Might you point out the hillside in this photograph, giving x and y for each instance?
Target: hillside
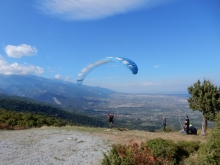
(71, 145)
(60, 93)
(19, 104)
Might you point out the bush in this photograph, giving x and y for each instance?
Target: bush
(19, 120)
(209, 153)
(185, 149)
(164, 150)
(168, 129)
(157, 151)
(132, 154)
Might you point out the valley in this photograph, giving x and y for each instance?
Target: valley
(132, 111)
(144, 111)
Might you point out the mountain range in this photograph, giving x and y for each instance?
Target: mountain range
(53, 91)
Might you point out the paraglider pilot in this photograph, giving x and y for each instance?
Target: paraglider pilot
(187, 124)
(110, 119)
(164, 124)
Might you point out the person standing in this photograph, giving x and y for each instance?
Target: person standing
(110, 118)
(164, 124)
(187, 124)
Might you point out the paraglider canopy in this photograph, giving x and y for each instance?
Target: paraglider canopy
(127, 62)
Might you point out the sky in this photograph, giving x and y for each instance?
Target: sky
(174, 43)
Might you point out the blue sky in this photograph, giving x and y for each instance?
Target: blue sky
(173, 42)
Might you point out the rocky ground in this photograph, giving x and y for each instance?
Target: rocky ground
(51, 146)
(72, 145)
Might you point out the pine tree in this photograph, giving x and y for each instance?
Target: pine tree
(205, 97)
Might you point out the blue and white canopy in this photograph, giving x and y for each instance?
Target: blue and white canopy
(128, 63)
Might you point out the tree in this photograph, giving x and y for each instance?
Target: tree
(205, 97)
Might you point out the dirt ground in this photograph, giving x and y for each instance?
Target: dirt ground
(71, 145)
(51, 146)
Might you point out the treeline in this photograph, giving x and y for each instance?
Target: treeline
(22, 120)
(21, 105)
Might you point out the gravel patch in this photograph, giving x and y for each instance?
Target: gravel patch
(51, 146)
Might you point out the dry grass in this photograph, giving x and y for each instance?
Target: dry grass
(124, 136)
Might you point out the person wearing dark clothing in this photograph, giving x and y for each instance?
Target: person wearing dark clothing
(110, 118)
(187, 124)
(164, 124)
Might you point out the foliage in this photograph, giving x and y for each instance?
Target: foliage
(205, 97)
(132, 154)
(21, 105)
(186, 148)
(209, 153)
(168, 129)
(21, 120)
(156, 151)
(163, 149)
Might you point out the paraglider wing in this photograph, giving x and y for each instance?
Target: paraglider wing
(128, 63)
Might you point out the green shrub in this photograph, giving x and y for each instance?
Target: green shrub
(21, 120)
(154, 152)
(168, 129)
(209, 153)
(132, 154)
(119, 155)
(185, 149)
(165, 150)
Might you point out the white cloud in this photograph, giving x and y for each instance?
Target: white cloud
(15, 68)
(20, 50)
(91, 9)
(57, 76)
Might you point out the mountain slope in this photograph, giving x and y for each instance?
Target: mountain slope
(18, 104)
(51, 90)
